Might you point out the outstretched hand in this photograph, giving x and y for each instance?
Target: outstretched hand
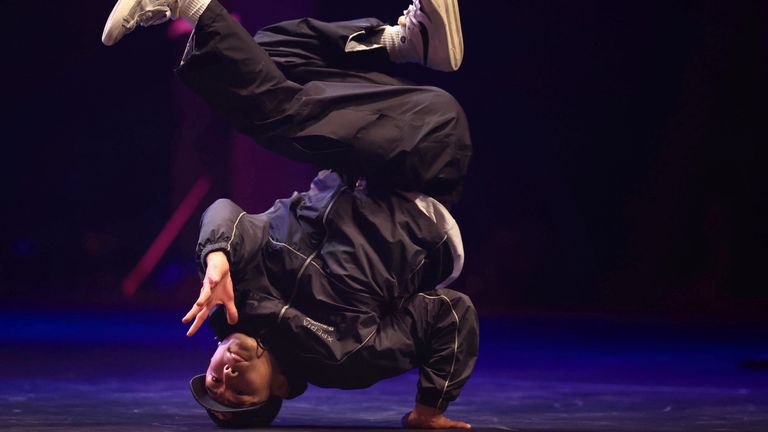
(424, 417)
(217, 289)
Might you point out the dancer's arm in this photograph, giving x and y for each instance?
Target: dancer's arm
(437, 332)
(230, 241)
(447, 335)
(227, 228)
(217, 289)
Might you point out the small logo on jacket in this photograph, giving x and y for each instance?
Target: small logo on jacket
(319, 329)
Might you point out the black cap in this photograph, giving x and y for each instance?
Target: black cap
(255, 415)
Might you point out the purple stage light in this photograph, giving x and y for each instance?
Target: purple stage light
(166, 236)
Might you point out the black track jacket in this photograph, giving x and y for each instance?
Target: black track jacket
(344, 289)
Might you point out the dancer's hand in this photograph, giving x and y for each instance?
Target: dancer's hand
(217, 289)
(424, 417)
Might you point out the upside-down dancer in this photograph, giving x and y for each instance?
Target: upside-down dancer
(346, 284)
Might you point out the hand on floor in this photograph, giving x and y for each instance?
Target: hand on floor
(424, 417)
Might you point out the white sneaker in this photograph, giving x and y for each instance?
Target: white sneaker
(128, 13)
(432, 32)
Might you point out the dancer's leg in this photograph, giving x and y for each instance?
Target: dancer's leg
(306, 50)
(224, 65)
(399, 137)
(310, 50)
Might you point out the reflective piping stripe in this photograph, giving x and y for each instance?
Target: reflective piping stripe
(330, 280)
(234, 230)
(328, 210)
(421, 263)
(442, 217)
(296, 252)
(314, 254)
(318, 267)
(425, 259)
(282, 312)
(308, 259)
(455, 344)
(298, 276)
(359, 346)
(288, 247)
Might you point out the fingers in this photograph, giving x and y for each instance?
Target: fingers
(446, 423)
(231, 312)
(202, 299)
(217, 289)
(412, 420)
(205, 294)
(192, 312)
(457, 425)
(199, 320)
(229, 302)
(404, 422)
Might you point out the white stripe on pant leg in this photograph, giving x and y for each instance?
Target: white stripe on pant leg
(455, 344)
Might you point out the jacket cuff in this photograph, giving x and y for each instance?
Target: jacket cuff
(222, 246)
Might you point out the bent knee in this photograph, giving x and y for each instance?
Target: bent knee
(443, 102)
(448, 121)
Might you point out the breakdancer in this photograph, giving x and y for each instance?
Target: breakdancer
(343, 285)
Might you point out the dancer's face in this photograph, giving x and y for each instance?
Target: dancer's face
(240, 372)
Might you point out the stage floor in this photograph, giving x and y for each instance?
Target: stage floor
(128, 372)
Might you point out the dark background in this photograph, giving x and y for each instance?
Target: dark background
(618, 169)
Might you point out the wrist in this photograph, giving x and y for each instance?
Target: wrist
(216, 256)
(425, 411)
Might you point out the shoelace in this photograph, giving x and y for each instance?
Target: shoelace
(150, 16)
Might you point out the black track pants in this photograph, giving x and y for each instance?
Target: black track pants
(297, 91)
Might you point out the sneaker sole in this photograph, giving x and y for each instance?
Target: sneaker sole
(450, 10)
(113, 29)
